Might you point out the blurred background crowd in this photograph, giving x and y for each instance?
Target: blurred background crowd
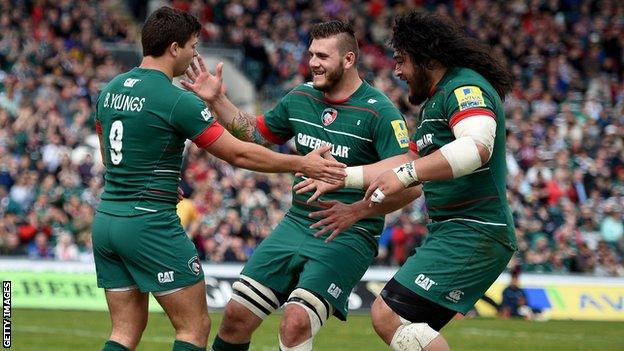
(565, 122)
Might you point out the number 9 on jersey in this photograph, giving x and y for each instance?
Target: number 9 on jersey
(115, 136)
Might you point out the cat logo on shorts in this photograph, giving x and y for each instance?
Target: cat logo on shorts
(329, 116)
(194, 265)
(334, 290)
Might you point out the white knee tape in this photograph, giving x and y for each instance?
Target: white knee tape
(413, 337)
(318, 310)
(256, 297)
(304, 346)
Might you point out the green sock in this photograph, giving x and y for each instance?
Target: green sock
(111, 345)
(180, 345)
(220, 345)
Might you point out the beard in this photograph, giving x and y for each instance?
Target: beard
(331, 79)
(419, 86)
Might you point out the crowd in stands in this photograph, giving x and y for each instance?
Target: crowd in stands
(565, 123)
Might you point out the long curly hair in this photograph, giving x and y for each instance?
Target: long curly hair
(428, 38)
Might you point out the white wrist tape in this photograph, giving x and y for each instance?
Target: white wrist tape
(406, 173)
(463, 156)
(355, 177)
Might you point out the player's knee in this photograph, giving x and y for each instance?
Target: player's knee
(295, 325)
(305, 313)
(380, 315)
(238, 322)
(412, 336)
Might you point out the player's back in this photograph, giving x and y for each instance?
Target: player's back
(142, 147)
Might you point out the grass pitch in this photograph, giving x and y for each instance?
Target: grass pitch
(54, 330)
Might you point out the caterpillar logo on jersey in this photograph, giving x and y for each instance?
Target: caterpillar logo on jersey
(400, 132)
(194, 265)
(329, 116)
(424, 282)
(130, 82)
(455, 295)
(315, 143)
(334, 290)
(468, 97)
(165, 277)
(424, 141)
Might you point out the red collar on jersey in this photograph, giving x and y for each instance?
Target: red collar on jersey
(339, 101)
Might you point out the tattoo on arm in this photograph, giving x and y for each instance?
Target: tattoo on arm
(244, 127)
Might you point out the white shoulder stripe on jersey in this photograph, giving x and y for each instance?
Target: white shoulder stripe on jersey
(330, 130)
(165, 171)
(475, 221)
(432, 120)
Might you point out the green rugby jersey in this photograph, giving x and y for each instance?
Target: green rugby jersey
(363, 129)
(478, 198)
(144, 121)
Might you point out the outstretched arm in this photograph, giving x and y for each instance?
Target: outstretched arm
(258, 158)
(209, 87)
(358, 177)
(472, 148)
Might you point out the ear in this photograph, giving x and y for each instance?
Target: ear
(174, 49)
(349, 59)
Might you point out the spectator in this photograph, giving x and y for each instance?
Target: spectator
(65, 249)
(611, 227)
(565, 120)
(515, 303)
(40, 248)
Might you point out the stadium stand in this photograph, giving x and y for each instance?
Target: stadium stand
(565, 121)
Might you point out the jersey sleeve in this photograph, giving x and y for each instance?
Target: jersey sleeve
(96, 119)
(274, 124)
(466, 101)
(193, 120)
(391, 137)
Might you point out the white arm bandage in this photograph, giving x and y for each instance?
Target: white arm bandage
(355, 177)
(462, 154)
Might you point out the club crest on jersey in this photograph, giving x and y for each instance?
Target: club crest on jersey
(194, 265)
(329, 116)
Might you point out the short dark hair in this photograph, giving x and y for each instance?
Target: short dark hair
(166, 26)
(427, 38)
(331, 28)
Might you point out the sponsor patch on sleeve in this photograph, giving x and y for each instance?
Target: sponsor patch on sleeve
(469, 96)
(400, 132)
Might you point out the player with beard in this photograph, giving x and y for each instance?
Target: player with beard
(293, 266)
(143, 121)
(458, 152)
